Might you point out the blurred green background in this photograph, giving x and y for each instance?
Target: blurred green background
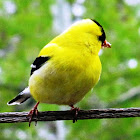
(28, 25)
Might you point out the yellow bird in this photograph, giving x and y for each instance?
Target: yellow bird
(67, 67)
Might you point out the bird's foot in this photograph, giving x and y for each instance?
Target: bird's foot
(32, 113)
(75, 110)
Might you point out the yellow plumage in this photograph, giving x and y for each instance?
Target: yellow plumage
(74, 66)
(67, 67)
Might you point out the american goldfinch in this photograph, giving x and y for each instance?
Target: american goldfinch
(67, 67)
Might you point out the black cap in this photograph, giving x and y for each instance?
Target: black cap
(103, 36)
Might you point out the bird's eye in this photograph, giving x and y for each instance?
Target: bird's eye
(102, 37)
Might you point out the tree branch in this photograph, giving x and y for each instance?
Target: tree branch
(12, 117)
(133, 93)
(130, 94)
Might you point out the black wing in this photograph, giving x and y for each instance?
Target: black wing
(39, 61)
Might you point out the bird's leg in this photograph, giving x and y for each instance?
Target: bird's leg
(76, 110)
(33, 112)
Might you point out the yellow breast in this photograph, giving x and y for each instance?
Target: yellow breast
(65, 82)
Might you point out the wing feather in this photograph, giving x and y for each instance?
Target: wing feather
(39, 61)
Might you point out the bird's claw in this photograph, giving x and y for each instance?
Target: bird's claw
(32, 113)
(75, 110)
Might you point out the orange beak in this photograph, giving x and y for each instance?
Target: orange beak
(106, 44)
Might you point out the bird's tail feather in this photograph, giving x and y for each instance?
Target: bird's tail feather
(21, 97)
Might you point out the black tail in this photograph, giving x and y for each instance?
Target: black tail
(21, 97)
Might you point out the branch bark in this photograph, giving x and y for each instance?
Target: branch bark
(14, 117)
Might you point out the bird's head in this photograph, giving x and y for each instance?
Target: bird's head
(94, 29)
(102, 36)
